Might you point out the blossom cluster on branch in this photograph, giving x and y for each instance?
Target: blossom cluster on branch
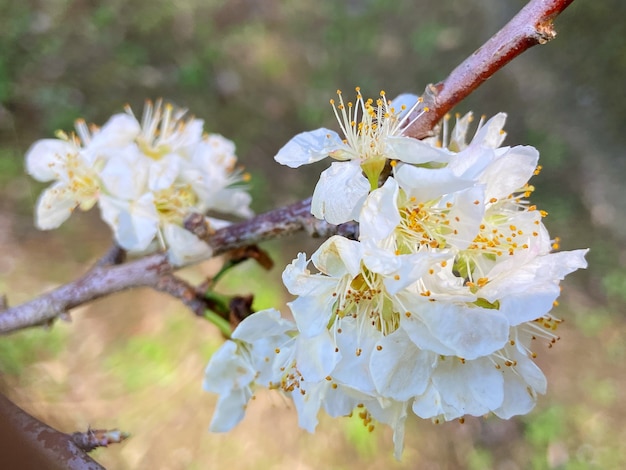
(146, 176)
(441, 304)
(439, 307)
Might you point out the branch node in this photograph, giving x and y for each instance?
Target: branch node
(199, 226)
(65, 316)
(94, 438)
(545, 31)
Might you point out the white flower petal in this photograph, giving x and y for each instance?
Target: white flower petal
(355, 349)
(230, 410)
(429, 404)
(393, 414)
(469, 332)
(163, 173)
(262, 324)
(312, 313)
(120, 130)
(340, 193)
(183, 246)
(308, 403)
(465, 216)
(522, 383)
(491, 133)
(510, 172)
(134, 224)
(299, 281)
(409, 150)
(309, 147)
(379, 216)
(316, 356)
(54, 207)
(419, 333)
(474, 387)
(425, 184)
(125, 174)
(45, 159)
(527, 291)
(227, 370)
(399, 369)
(338, 256)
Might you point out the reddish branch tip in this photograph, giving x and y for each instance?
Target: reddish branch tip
(531, 26)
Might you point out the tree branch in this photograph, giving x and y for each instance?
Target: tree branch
(531, 26)
(154, 271)
(29, 443)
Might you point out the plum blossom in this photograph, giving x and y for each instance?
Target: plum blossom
(146, 176)
(373, 135)
(250, 359)
(441, 304)
(73, 162)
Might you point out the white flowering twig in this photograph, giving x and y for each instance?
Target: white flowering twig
(108, 276)
(151, 209)
(532, 26)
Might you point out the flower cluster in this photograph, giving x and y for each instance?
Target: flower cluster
(146, 176)
(438, 308)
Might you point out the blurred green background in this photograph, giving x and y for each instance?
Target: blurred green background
(259, 71)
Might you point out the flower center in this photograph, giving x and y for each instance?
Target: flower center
(82, 181)
(174, 204)
(423, 224)
(162, 129)
(365, 299)
(366, 126)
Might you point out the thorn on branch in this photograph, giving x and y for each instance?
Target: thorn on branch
(94, 438)
(4, 303)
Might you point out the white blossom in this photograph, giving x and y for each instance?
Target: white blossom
(146, 176)
(250, 359)
(373, 136)
(438, 306)
(73, 163)
(441, 304)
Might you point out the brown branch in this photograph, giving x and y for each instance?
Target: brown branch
(182, 290)
(155, 271)
(96, 283)
(530, 27)
(29, 443)
(533, 25)
(273, 224)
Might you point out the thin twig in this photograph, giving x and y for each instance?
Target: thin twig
(154, 270)
(182, 290)
(530, 27)
(94, 438)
